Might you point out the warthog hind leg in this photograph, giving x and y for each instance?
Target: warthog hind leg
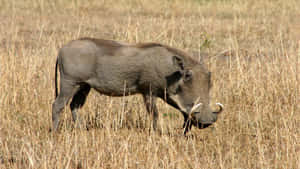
(67, 91)
(77, 102)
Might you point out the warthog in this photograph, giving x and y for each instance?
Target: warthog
(117, 69)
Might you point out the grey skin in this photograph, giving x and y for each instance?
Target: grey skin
(117, 69)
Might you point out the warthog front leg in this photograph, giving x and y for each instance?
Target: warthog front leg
(150, 102)
(77, 102)
(187, 124)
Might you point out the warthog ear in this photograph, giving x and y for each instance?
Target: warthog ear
(177, 60)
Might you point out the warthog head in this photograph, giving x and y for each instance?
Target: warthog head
(190, 94)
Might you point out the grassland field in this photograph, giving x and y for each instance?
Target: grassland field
(252, 48)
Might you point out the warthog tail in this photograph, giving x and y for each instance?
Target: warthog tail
(56, 90)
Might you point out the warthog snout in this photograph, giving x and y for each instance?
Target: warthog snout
(205, 119)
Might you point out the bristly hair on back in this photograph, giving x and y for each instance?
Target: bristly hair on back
(148, 45)
(101, 42)
(171, 49)
(115, 44)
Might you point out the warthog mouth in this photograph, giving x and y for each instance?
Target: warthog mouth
(192, 122)
(201, 125)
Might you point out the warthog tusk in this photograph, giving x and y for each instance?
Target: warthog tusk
(221, 107)
(195, 107)
(190, 116)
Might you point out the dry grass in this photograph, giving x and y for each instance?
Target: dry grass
(257, 80)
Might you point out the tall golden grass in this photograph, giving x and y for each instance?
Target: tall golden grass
(257, 79)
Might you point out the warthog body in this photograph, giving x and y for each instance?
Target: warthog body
(117, 69)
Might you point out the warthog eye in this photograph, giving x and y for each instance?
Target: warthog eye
(178, 90)
(188, 75)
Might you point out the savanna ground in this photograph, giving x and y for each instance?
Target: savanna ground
(256, 78)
